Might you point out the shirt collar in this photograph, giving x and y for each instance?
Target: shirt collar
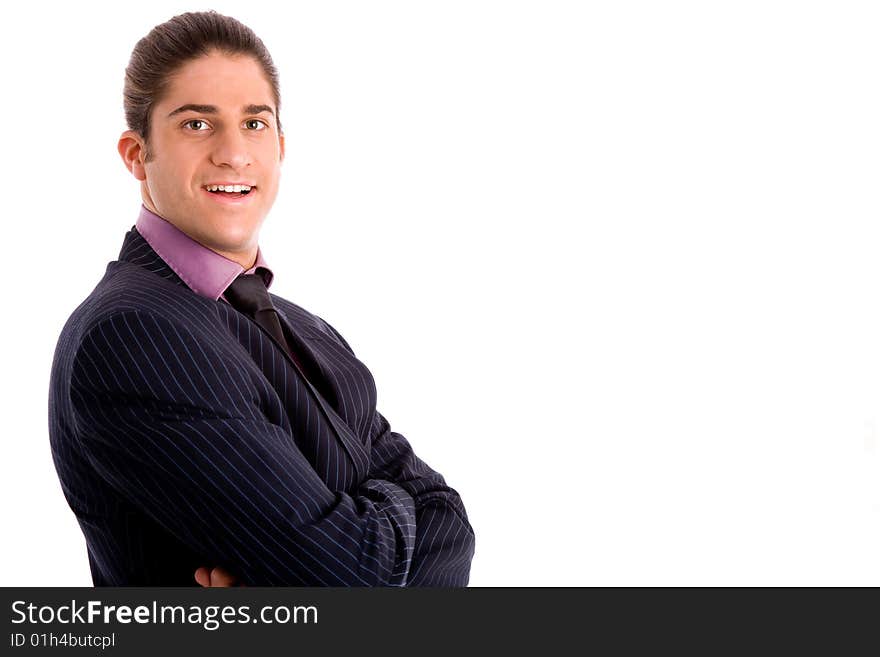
(206, 272)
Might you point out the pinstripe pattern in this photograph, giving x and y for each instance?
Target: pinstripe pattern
(184, 437)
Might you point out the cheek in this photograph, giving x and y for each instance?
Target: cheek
(273, 178)
(178, 167)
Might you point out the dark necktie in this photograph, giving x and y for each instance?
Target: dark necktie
(248, 294)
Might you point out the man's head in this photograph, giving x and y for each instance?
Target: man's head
(201, 103)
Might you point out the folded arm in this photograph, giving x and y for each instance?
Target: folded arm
(176, 429)
(445, 542)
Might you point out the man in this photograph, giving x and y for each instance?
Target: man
(203, 429)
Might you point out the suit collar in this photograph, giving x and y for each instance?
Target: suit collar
(137, 251)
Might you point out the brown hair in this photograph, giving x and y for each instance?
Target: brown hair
(174, 43)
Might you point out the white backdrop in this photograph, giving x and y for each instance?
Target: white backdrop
(613, 266)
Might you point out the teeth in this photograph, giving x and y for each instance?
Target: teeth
(227, 188)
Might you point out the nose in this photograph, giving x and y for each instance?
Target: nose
(231, 149)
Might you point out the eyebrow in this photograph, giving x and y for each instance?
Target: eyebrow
(212, 109)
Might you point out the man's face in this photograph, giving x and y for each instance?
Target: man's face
(236, 142)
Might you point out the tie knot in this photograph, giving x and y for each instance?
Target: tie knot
(248, 294)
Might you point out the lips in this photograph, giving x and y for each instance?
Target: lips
(233, 198)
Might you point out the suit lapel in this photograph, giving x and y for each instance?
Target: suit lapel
(305, 351)
(136, 250)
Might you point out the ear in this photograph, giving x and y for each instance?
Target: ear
(132, 150)
(281, 141)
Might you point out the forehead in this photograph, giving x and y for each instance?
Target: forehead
(229, 82)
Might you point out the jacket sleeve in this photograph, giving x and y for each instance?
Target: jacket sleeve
(445, 541)
(175, 427)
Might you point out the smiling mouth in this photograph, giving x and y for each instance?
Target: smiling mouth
(230, 196)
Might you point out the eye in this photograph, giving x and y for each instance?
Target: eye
(196, 121)
(258, 121)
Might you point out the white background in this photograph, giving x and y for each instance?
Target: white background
(614, 266)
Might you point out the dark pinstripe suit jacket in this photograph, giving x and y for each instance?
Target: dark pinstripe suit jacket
(184, 436)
